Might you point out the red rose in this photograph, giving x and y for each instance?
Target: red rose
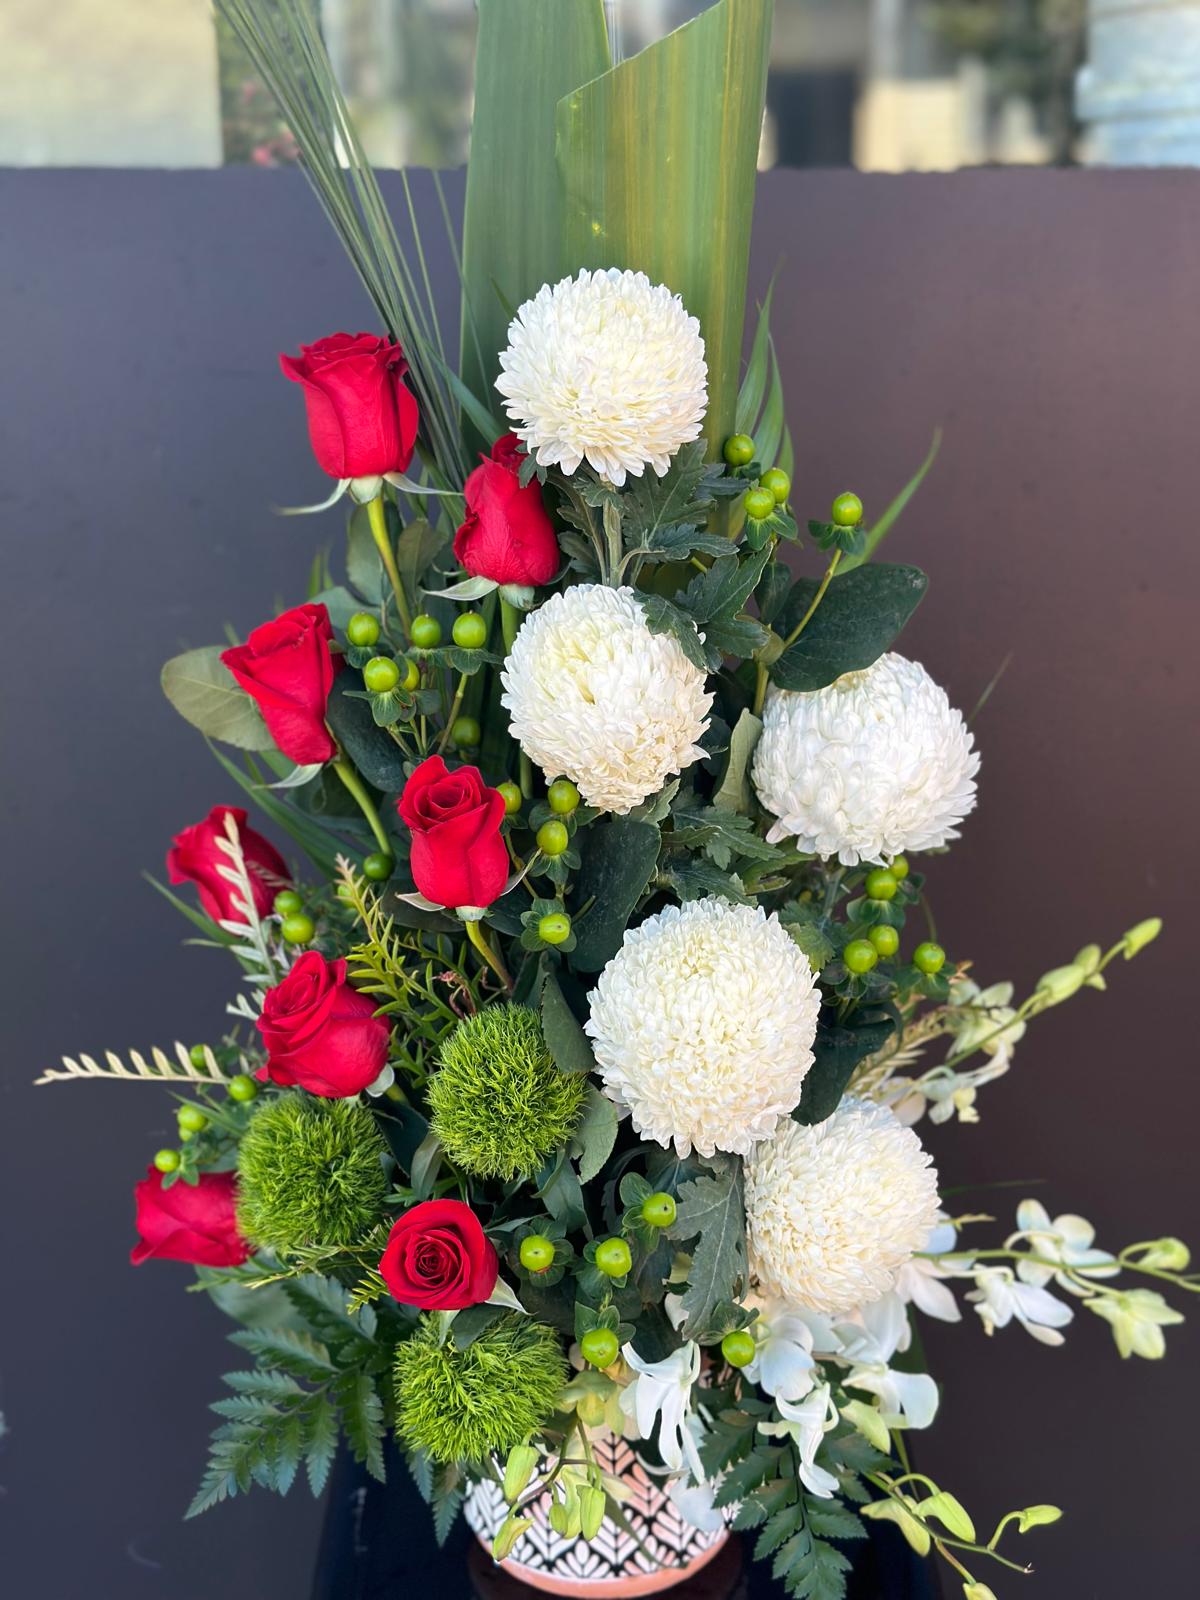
(507, 536)
(320, 1033)
(286, 667)
(458, 856)
(439, 1258)
(196, 1223)
(195, 858)
(362, 418)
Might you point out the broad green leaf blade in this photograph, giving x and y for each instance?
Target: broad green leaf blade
(658, 160)
(877, 533)
(619, 858)
(202, 689)
(855, 623)
(530, 53)
(754, 384)
(836, 1053)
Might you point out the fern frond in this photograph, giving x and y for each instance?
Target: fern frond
(160, 1068)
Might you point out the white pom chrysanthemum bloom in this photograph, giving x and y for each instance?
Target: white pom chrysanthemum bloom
(594, 696)
(703, 1025)
(876, 764)
(606, 367)
(835, 1210)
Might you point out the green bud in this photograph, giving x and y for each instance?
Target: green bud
(778, 482)
(167, 1160)
(885, 939)
(287, 901)
(951, 1513)
(198, 1056)
(562, 796)
(899, 868)
(426, 632)
(298, 928)
(554, 927)
(381, 674)
(469, 631)
(1037, 1517)
(242, 1088)
(860, 955)
(553, 838)
(511, 794)
(978, 1591)
(536, 1253)
(758, 503)
(846, 511)
(1166, 1255)
(1060, 984)
(518, 1469)
(377, 867)
(465, 732)
(881, 884)
(362, 629)
(592, 1502)
(191, 1119)
(659, 1209)
(739, 450)
(929, 958)
(738, 1347)
(613, 1258)
(510, 1531)
(1140, 936)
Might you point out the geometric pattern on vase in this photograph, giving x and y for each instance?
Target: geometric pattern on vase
(612, 1557)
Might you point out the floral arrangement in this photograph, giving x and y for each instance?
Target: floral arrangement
(590, 1024)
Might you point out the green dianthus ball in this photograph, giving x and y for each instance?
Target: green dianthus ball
(465, 1405)
(309, 1172)
(500, 1105)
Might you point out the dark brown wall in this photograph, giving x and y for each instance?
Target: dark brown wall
(1049, 322)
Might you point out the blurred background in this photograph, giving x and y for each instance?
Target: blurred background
(880, 85)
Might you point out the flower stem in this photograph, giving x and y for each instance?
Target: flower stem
(363, 800)
(760, 688)
(481, 942)
(452, 714)
(377, 516)
(817, 598)
(510, 623)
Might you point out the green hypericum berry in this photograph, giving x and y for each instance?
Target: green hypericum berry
(929, 958)
(899, 868)
(599, 1347)
(554, 928)
(759, 504)
(885, 939)
(378, 867)
(310, 1172)
(659, 1209)
(471, 1404)
(469, 631)
(412, 675)
(287, 901)
(426, 632)
(500, 1106)
(465, 732)
(381, 674)
(191, 1119)
(552, 838)
(613, 1258)
(167, 1160)
(298, 928)
(881, 884)
(562, 796)
(739, 450)
(738, 1348)
(198, 1056)
(860, 955)
(536, 1253)
(242, 1088)
(846, 511)
(362, 629)
(778, 482)
(512, 797)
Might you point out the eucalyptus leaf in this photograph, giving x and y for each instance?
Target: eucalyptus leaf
(619, 858)
(857, 620)
(203, 690)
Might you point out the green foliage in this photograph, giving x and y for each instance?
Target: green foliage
(713, 604)
(857, 620)
(500, 1105)
(569, 1046)
(372, 750)
(882, 526)
(463, 1405)
(837, 1050)
(619, 858)
(202, 689)
(310, 1171)
(712, 1207)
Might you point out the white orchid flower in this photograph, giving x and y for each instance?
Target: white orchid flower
(694, 1503)
(906, 1399)
(806, 1423)
(919, 1281)
(1138, 1317)
(783, 1364)
(1067, 1241)
(984, 1019)
(662, 1391)
(999, 1297)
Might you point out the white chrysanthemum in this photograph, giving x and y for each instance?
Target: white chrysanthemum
(876, 764)
(606, 366)
(835, 1210)
(594, 696)
(703, 1024)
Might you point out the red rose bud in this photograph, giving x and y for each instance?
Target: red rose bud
(458, 855)
(286, 667)
(194, 1223)
(508, 536)
(362, 417)
(194, 857)
(321, 1033)
(439, 1258)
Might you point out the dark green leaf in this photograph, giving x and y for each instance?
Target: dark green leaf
(695, 879)
(364, 567)
(619, 857)
(664, 616)
(858, 618)
(836, 1053)
(733, 794)
(469, 1324)
(565, 1039)
(711, 1210)
(596, 1134)
(375, 753)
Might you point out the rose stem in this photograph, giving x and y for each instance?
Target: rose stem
(355, 785)
(453, 713)
(377, 517)
(479, 939)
